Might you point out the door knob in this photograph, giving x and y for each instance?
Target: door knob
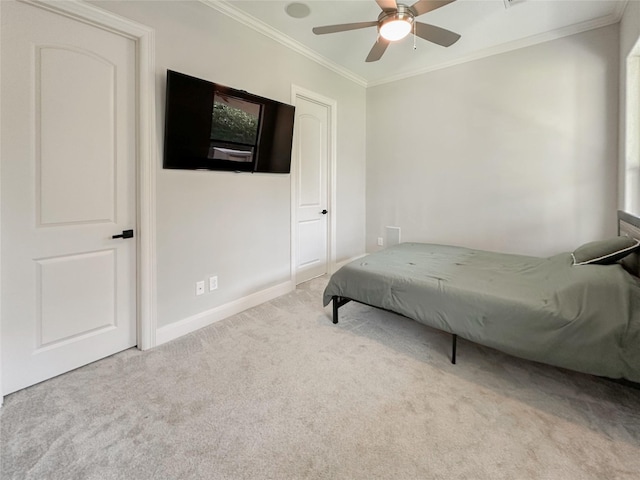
(124, 234)
(324, 212)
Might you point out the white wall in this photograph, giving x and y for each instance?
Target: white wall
(515, 152)
(237, 226)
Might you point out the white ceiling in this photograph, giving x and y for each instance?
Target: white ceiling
(487, 27)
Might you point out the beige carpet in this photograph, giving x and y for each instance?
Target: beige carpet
(279, 392)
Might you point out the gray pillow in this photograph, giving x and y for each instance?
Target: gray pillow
(604, 252)
(631, 263)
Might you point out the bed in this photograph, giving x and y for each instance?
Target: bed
(580, 317)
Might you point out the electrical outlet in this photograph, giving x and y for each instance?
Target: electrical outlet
(380, 241)
(213, 283)
(200, 287)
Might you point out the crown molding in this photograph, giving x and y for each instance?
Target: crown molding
(620, 9)
(225, 7)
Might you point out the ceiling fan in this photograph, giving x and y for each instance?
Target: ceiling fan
(395, 22)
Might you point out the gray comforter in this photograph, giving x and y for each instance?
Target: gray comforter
(584, 318)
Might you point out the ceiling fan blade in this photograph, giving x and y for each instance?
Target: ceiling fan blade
(424, 6)
(378, 50)
(387, 5)
(342, 28)
(434, 34)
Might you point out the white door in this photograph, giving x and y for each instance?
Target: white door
(68, 185)
(312, 160)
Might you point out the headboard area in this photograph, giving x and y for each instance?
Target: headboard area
(629, 225)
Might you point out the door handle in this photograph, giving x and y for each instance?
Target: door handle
(324, 212)
(124, 234)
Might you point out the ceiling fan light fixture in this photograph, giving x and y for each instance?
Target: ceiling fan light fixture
(395, 28)
(395, 25)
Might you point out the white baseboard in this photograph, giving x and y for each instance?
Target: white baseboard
(195, 322)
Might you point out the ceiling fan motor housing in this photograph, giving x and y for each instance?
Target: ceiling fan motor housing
(404, 13)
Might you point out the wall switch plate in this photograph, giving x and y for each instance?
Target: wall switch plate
(213, 283)
(380, 241)
(200, 287)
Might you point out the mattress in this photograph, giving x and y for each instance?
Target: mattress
(585, 318)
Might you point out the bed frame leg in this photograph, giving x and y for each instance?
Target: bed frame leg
(338, 301)
(453, 348)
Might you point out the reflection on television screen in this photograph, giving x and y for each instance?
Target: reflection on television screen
(230, 154)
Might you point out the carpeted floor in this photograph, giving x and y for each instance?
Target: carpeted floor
(279, 392)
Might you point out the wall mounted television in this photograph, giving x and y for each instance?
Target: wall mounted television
(213, 127)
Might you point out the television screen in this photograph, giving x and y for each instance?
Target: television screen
(213, 127)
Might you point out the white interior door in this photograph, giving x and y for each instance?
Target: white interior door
(312, 215)
(68, 184)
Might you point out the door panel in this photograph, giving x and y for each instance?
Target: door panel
(75, 171)
(308, 234)
(312, 147)
(312, 136)
(93, 305)
(68, 184)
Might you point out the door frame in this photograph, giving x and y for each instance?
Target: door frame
(332, 135)
(144, 39)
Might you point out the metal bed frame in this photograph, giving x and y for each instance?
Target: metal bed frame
(338, 302)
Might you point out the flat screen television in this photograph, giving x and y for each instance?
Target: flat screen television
(213, 127)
